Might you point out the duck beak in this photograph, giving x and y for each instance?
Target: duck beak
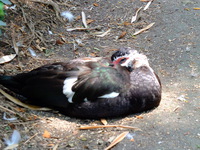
(130, 66)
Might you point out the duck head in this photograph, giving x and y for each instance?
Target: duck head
(129, 58)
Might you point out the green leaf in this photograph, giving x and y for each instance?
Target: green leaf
(7, 2)
(2, 23)
(1, 10)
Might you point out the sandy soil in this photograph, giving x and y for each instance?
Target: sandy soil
(172, 46)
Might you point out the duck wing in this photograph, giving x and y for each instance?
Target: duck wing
(98, 81)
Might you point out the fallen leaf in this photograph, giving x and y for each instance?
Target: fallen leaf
(95, 4)
(105, 33)
(89, 21)
(148, 4)
(78, 17)
(144, 29)
(127, 23)
(134, 18)
(7, 58)
(46, 134)
(59, 42)
(118, 139)
(122, 34)
(12, 126)
(104, 121)
(84, 19)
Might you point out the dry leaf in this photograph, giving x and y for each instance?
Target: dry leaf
(46, 134)
(148, 4)
(78, 17)
(104, 121)
(84, 19)
(105, 33)
(144, 29)
(7, 58)
(122, 34)
(134, 18)
(118, 139)
(89, 21)
(59, 42)
(127, 23)
(95, 4)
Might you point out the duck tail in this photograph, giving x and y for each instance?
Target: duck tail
(9, 82)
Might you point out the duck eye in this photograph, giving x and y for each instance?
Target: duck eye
(122, 60)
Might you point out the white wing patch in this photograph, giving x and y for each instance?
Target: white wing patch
(67, 88)
(110, 95)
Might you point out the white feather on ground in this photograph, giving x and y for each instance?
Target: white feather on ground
(67, 15)
(14, 140)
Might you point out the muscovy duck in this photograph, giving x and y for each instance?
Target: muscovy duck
(91, 87)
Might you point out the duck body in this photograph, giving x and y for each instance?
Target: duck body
(90, 87)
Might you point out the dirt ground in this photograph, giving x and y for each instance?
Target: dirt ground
(171, 44)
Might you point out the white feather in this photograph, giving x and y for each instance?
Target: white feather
(67, 88)
(67, 15)
(15, 138)
(110, 95)
(8, 119)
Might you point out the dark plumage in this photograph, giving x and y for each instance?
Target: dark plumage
(91, 87)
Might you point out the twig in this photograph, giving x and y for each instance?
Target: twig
(108, 126)
(13, 40)
(83, 29)
(30, 138)
(31, 28)
(39, 35)
(118, 139)
(8, 110)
